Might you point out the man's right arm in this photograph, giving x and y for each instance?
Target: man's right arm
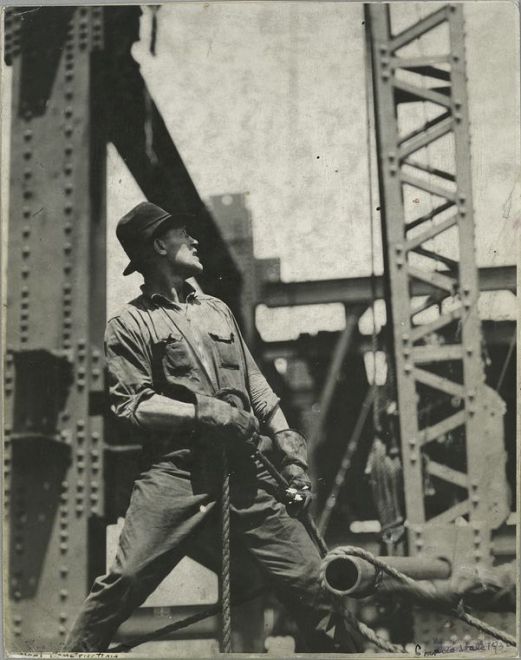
(134, 399)
(159, 413)
(132, 394)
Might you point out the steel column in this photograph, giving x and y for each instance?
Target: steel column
(56, 308)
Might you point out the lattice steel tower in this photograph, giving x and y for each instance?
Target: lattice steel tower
(450, 422)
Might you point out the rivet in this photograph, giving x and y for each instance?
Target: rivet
(67, 168)
(64, 571)
(27, 174)
(28, 134)
(27, 154)
(68, 188)
(63, 594)
(26, 212)
(63, 616)
(63, 547)
(67, 267)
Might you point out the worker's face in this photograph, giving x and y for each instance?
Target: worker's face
(180, 250)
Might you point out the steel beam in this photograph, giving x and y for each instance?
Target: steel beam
(55, 320)
(495, 333)
(359, 291)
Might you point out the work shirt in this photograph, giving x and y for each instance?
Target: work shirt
(157, 346)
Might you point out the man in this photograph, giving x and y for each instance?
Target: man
(171, 353)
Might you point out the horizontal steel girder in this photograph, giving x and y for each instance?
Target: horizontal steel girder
(358, 290)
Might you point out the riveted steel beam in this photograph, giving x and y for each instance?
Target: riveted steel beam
(55, 322)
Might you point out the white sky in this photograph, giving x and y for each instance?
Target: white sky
(268, 98)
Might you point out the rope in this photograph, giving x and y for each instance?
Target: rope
(425, 596)
(226, 615)
(370, 635)
(369, 112)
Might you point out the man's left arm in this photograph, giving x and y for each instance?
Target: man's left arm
(289, 445)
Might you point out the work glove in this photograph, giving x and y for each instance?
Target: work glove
(224, 421)
(292, 453)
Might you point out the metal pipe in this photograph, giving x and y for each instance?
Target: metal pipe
(345, 575)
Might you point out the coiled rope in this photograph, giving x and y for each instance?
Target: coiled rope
(421, 595)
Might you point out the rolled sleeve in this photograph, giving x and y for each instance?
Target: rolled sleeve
(129, 369)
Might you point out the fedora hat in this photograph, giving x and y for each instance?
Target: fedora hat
(140, 225)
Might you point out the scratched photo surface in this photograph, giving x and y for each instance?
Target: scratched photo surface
(300, 436)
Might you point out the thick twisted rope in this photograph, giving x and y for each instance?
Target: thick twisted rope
(226, 615)
(423, 595)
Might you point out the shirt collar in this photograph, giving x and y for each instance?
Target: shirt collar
(159, 298)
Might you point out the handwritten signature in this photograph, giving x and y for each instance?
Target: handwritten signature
(440, 648)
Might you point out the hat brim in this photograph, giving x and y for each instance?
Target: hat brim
(167, 222)
(129, 269)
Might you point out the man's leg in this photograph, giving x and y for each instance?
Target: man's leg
(162, 516)
(283, 547)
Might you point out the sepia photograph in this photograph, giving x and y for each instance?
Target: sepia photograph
(259, 321)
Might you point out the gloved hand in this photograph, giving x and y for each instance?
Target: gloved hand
(223, 420)
(292, 453)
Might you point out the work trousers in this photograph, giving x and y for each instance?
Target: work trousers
(170, 507)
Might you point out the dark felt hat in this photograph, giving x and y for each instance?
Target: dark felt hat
(139, 226)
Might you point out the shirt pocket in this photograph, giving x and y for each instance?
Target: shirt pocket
(226, 349)
(171, 361)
